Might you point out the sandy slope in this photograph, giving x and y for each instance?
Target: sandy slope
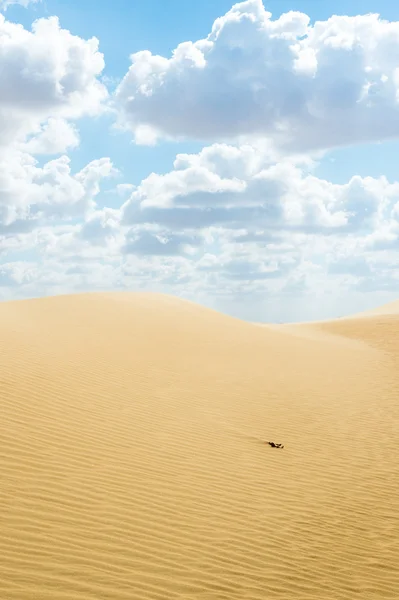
(133, 465)
(392, 308)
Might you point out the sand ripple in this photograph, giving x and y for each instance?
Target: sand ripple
(133, 462)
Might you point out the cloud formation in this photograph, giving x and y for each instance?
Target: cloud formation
(48, 76)
(247, 218)
(225, 185)
(30, 194)
(302, 86)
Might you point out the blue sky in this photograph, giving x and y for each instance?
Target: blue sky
(317, 238)
(127, 27)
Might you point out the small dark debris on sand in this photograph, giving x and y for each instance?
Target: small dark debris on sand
(273, 445)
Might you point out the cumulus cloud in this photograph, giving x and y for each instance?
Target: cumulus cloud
(143, 241)
(207, 229)
(100, 228)
(30, 194)
(50, 79)
(55, 136)
(48, 76)
(246, 224)
(246, 219)
(302, 86)
(265, 197)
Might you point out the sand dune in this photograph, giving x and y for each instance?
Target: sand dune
(392, 308)
(133, 462)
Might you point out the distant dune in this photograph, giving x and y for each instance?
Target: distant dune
(133, 459)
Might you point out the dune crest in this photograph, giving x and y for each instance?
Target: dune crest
(134, 462)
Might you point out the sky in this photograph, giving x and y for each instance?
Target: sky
(242, 156)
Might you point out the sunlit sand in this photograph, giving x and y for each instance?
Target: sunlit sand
(134, 465)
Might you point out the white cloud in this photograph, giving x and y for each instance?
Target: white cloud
(123, 189)
(301, 86)
(230, 222)
(237, 225)
(276, 231)
(151, 241)
(257, 195)
(54, 137)
(48, 76)
(101, 228)
(30, 195)
(4, 4)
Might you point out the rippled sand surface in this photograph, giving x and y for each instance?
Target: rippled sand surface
(133, 459)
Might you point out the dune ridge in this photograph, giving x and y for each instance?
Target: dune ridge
(134, 464)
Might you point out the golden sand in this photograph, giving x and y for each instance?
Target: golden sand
(133, 459)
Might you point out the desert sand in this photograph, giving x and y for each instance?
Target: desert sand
(133, 459)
